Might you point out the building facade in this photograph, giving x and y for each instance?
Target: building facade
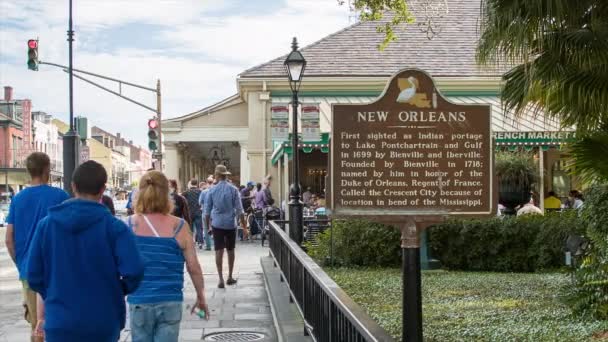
(128, 162)
(348, 67)
(15, 141)
(46, 138)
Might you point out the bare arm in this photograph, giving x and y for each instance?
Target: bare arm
(193, 266)
(10, 241)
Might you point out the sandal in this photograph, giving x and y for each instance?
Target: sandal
(231, 281)
(220, 286)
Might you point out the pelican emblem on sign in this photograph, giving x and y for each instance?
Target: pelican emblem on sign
(408, 88)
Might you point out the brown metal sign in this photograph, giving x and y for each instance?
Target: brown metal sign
(411, 153)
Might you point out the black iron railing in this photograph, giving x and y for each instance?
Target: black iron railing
(329, 314)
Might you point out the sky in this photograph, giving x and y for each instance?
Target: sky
(195, 47)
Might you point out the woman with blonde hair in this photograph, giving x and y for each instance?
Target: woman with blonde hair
(165, 244)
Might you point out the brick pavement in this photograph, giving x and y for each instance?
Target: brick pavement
(244, 307)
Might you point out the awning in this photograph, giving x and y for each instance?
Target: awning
(284, 147)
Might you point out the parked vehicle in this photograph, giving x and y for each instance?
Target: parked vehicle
(3, 213)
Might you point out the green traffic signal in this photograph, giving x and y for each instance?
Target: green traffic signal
(32, 65)
(152, 146)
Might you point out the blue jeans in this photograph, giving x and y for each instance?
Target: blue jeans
(157, 322)
(206, 235)
(197, 227)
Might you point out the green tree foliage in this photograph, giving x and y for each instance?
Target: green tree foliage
(589, 156)
(590, 295)
(558, 50)
(373, 10)
(556, 53)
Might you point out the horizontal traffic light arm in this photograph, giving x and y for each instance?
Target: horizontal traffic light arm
(100, 76)
(120, 83)
(115, 93)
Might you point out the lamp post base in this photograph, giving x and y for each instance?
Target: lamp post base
(71, 146)
(296, 220)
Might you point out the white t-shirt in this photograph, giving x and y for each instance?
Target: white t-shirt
(528, 209)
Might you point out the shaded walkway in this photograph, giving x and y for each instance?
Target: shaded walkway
(244, 307)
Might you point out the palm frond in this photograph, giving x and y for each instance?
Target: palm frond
(589, 157)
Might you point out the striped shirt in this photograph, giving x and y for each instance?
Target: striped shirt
(163, 269)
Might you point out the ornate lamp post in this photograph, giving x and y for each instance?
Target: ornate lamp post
(295, 65)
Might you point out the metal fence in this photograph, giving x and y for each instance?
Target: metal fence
(329, 314)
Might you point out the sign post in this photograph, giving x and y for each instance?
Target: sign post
(410, 159)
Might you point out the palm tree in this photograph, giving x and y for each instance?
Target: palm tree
(558, 54)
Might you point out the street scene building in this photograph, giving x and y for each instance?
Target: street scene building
(347, 67)
(124, 161)
(417, 170)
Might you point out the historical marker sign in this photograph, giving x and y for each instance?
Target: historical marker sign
(411, 153)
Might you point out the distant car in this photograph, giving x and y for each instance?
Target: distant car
(121, 208)
(3, 213)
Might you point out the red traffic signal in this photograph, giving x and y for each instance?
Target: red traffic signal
(153, 124)
(153, 134)
(32, 54)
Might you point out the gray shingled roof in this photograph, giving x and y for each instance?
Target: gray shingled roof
(354, 50)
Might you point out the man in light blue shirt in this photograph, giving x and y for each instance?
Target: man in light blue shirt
(222, 207)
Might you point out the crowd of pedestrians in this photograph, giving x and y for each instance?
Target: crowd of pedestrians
(79, 263)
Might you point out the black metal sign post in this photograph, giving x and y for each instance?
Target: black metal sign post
(411, 283)
(410, 159)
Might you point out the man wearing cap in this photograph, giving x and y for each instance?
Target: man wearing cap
(222, 207)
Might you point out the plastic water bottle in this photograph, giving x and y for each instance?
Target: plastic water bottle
(200, 313)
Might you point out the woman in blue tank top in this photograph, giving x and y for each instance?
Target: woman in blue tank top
(165, 244)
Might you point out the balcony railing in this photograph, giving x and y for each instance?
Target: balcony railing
(329, 314)
(15, 159)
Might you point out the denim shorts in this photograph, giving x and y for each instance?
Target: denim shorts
(158, 322)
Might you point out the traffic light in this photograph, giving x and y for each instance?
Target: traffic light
(32, 54)
(153, 134)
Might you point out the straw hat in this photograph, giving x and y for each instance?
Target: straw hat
(221, 170)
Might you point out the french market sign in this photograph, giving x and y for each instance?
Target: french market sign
(503, 138)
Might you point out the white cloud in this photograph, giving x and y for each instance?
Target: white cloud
(198, 65)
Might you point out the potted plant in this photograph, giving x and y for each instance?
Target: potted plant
(516, 172)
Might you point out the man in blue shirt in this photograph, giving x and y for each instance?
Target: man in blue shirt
(83, 261)
(206, 233)
(26, 210)
(222, 207)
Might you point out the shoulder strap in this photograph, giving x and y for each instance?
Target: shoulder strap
(179, 227)
(150, 225)
(129, 223)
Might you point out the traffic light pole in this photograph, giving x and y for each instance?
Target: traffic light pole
(156, 110)
(159, 155)
(70, 139)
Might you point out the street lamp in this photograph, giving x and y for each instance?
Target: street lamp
(70, 138)
(295, 65)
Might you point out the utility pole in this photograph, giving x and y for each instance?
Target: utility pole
(70, 139)
(159, 153)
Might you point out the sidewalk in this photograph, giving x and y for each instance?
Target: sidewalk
(241, 308)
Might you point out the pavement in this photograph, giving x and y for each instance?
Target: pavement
(241, 308)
